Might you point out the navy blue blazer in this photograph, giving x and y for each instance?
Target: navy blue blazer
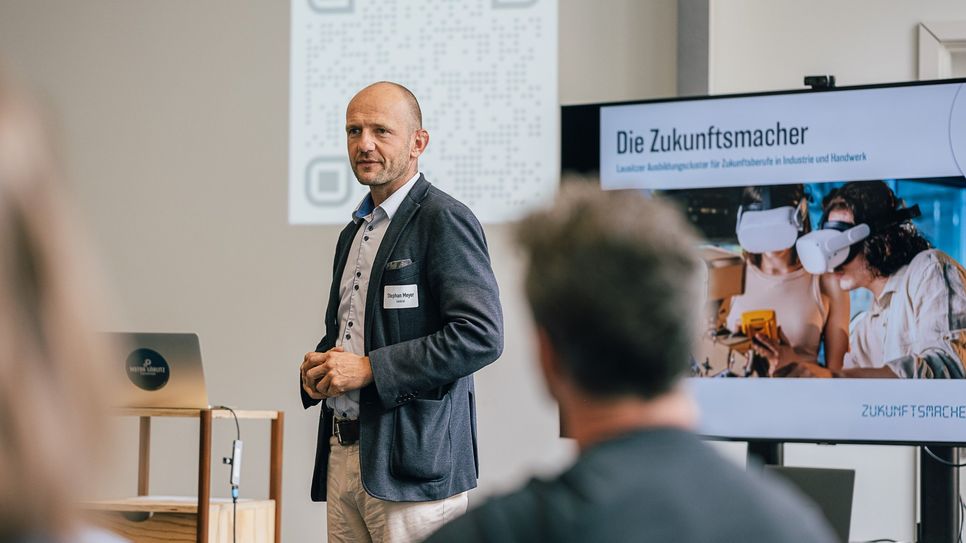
(418, 417)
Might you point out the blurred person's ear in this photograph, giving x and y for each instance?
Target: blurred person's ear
(554, 375)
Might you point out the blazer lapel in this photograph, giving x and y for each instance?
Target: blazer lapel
(407, 210)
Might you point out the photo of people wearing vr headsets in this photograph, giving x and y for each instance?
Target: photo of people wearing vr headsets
(797, 283)
(803, 312)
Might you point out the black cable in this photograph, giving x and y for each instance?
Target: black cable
(940, 460)
(234, 489)
(232, 411)
(961, 508)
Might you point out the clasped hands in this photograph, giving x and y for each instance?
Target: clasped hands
(333, 373)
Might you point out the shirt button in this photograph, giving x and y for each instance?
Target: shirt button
(356, 287)
(366, 238)
(358, 274)
(350, 324)
(347, 336)
(370, 228)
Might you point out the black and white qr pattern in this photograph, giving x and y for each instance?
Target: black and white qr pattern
(484, 71)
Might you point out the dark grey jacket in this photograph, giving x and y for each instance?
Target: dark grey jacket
(658, 485)
(418, 417)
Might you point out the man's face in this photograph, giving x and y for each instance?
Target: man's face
(856, 273)
(381, 136)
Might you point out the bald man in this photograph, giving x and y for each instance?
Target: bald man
(413, 312)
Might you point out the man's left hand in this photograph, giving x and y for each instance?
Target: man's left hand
(341, 372)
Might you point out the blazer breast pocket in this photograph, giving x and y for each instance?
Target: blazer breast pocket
(404, 274)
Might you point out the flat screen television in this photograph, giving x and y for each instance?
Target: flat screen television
(712, 155)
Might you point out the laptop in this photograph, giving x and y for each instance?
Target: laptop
(159, 370)
(830, 489)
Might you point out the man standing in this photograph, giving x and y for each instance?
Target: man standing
(413, 311)
(614, 285)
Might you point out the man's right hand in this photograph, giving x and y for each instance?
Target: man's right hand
(311, 360)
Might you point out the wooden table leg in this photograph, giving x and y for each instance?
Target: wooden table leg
(204, 475)
(275, 472)
(144, 455)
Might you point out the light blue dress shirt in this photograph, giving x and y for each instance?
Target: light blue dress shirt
(354, 287)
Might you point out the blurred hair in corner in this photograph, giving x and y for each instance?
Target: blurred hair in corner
(52, 435)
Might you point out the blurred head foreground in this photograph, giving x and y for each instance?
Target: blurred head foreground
(614, 283)
(48, 393)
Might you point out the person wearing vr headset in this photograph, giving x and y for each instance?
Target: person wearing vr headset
(916, 327)
(810, 309)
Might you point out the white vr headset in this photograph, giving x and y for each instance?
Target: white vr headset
(762, 231)
(824, 250)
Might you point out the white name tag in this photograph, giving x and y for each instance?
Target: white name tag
(400, 297)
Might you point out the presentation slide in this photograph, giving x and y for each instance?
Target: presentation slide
(484, 71)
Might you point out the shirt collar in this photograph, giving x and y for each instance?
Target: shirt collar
(892, 285)
(389, 206)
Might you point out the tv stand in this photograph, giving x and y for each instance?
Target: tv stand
(939, 509)
(762, 452)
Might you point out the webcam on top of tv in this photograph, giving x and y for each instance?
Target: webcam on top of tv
(820, 82)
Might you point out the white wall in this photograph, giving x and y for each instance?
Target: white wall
(958, 65)
(759, 45)
(173, 123)
(612, 50)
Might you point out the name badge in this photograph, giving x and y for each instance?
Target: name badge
(400, 297)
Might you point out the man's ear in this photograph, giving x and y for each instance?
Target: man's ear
(549, 361)
(420, 141)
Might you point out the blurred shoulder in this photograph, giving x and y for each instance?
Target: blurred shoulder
(509, 518)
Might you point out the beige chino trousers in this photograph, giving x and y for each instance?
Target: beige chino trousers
(353, 516)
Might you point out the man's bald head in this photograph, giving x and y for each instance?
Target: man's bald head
(386, 89)
(384, 137)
